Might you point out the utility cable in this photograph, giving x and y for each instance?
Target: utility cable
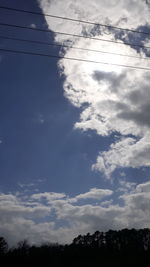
(70, 34)
(70, 58)
(70, 46)
(75, 20)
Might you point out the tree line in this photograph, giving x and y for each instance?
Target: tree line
(121, 248)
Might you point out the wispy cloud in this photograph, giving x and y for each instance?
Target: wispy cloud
(24, 185)
(33, 25)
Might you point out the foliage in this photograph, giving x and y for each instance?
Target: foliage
(120, 248)
(3, 246)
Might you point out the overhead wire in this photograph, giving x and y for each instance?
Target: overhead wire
(70, 46)
(71, 34)
(75, 20)
(70, 58)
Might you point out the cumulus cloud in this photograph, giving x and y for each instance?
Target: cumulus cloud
(137, 206)
(49, 196)
(11, 204)
(113, 99)
(94, 193)
(61, 219)
(129, 13)
(125, 153)
(20, 216)
(143, 187)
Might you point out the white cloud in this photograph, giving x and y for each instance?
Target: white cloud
(20, 216)
(137, 204)
(49, 196)
(126, 187)
(60, 220)
(24, 185)
(106, 203)
(113, 99)
(12, 205)
(122, 13)
(145, 187)
(94, 193)
(125, 153)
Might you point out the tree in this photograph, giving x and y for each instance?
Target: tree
(3, 245)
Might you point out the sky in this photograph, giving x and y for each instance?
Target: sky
(74, 135)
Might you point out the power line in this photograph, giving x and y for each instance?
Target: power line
(75, 20)
(70, 46)
(73, 35)
(70, 58)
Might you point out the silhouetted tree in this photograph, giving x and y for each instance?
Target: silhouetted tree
(119, 248)
(3, 245)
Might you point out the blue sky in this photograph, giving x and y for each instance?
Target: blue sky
(74, 149)
(38, 140)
